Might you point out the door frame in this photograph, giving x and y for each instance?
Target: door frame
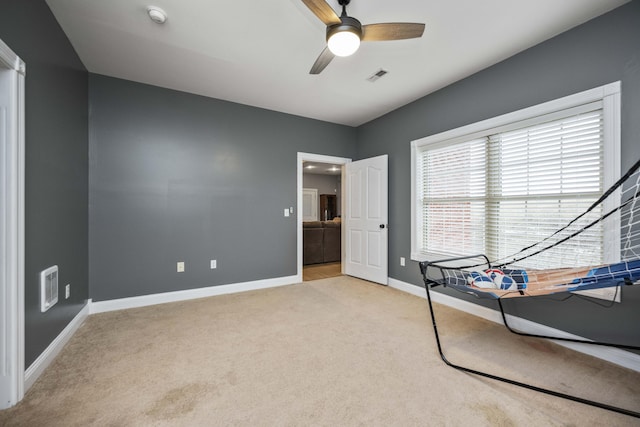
(309, 157)
(12, 218)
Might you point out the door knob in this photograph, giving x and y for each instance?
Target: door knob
(381, 225)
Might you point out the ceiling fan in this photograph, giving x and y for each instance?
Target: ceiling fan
(345, 33)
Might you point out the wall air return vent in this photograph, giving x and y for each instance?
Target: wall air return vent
(48, 288)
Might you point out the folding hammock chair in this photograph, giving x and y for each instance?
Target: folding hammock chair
(506, 278)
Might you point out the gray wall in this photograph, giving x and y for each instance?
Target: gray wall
(325, 184)
(601, 51)
(178, 177)
(56, 166)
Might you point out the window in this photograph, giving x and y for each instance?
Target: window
(497, 186)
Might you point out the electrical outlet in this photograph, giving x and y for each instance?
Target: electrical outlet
(402, 262)
(67, 291)
(180, 266)
(214, 264)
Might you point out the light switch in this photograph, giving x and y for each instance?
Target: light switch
(181, 267)
(286, 212)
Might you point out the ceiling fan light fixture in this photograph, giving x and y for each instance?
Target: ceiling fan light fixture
(345, 33)
(343, 43)
(344, 39)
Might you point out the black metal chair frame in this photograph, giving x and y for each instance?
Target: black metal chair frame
(431, 283)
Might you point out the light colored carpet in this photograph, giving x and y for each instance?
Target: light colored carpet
(332, 352)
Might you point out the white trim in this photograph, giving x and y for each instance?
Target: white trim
(470, 131)
(168, 297)
(21, 225)
(309, 157)
(619, 357)
(49, 354)
(416, 226)
(612, 160)
(10, 60)
(607, 95)
(12, 217)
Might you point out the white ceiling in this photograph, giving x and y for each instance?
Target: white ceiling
(259, 52)
(317, 168)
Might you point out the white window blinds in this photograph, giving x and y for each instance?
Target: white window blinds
(514, 186)
(454, 196)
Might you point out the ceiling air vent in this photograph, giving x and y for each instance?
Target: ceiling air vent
(377, 75)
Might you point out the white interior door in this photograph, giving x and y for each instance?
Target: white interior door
(366, 215)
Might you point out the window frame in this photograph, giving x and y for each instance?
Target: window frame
(608, 94)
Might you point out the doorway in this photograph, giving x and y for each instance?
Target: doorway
(364, 216)
(324, 236)
(12, 72)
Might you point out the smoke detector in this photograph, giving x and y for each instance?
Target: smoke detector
(156, 14)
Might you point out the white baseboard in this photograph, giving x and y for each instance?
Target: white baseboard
(614, 355)
(36, 369)
(167, 297)
(48, 355)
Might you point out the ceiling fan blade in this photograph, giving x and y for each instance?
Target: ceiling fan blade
(323, 60)
(323, 11)
(391, 31)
